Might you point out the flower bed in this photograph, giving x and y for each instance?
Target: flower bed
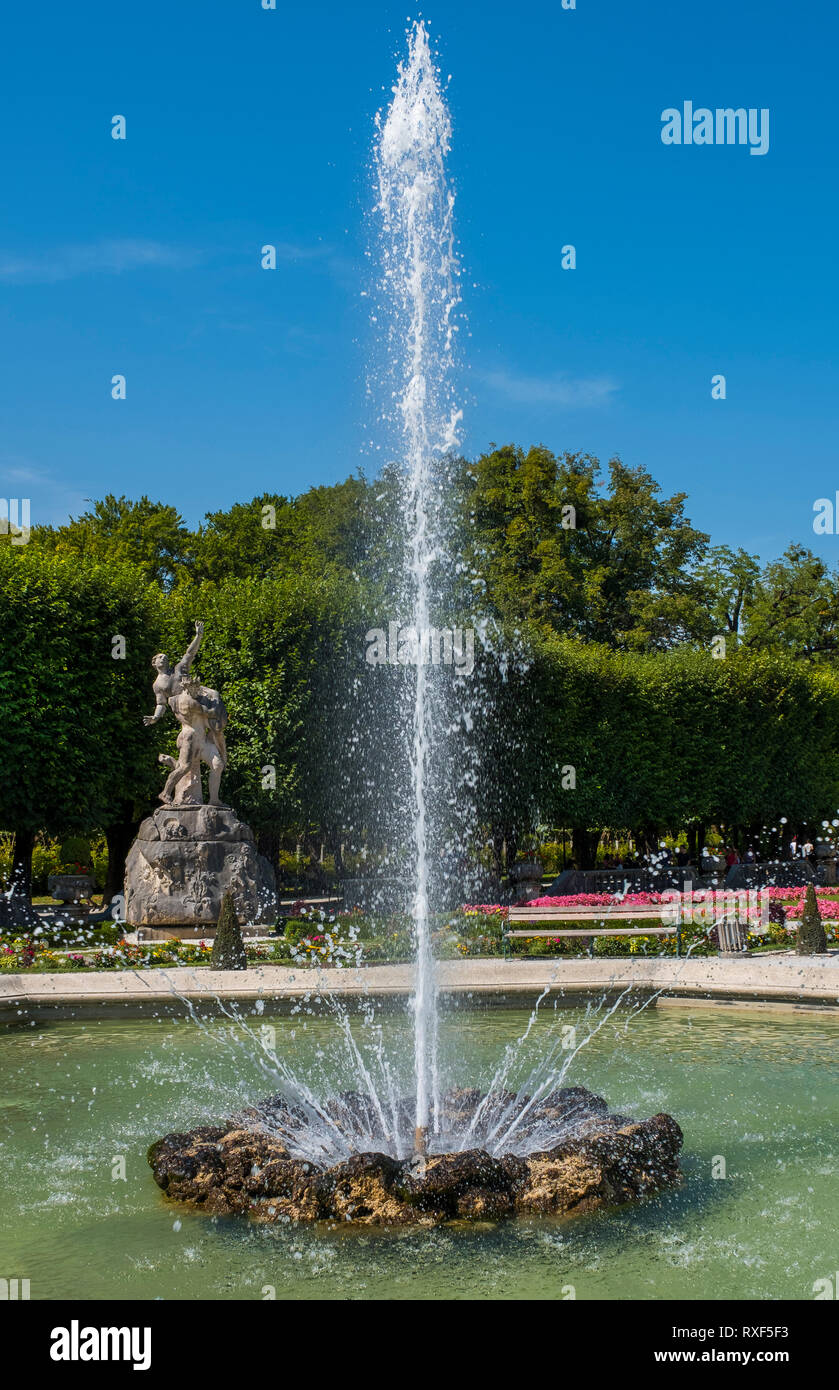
(22, 954)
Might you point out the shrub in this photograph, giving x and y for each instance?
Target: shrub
(75, 854)
(811, 939)
(228, 948)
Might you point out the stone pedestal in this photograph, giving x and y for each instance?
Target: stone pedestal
(826, 856)
(183, 861)
(17, 914)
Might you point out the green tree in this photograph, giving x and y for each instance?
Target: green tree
(149, 536)
(326, 527)
(729, 580)
(74, 684)
(795, 608)
(613, 566)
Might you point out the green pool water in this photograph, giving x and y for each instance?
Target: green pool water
(82, 1100)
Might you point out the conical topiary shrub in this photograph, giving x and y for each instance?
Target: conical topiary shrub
(811, 938)
(228, 948)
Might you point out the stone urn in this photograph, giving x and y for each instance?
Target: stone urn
(526, 879)
(71, 888)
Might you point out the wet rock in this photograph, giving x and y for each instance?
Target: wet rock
(482, 1204)
(355, 1111)
(563, 1182)
(222, 1170)
(457, 1107)
(597, 1158)
(438, 1183)
(363, 1190)
(613, 1166)
(516, 1169)
(571, 1103)
(274, 1113)
(188, 1166)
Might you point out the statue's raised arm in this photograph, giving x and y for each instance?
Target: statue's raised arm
(183, 666)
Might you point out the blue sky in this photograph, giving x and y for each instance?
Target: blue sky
(247, 126)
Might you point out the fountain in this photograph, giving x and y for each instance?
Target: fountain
(376, 1155)
(416, 204)
(562, 1153)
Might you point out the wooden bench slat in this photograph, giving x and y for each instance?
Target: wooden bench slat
(597, 931)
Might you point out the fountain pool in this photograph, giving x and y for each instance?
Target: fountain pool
(82, 1100)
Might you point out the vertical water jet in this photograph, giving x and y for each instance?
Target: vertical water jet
(415, 205)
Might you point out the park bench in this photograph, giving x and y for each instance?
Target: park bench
(586, 935)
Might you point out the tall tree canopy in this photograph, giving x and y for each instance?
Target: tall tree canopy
(150, 536)
(611, 565)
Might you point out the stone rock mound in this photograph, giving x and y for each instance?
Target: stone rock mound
(597, 1158)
